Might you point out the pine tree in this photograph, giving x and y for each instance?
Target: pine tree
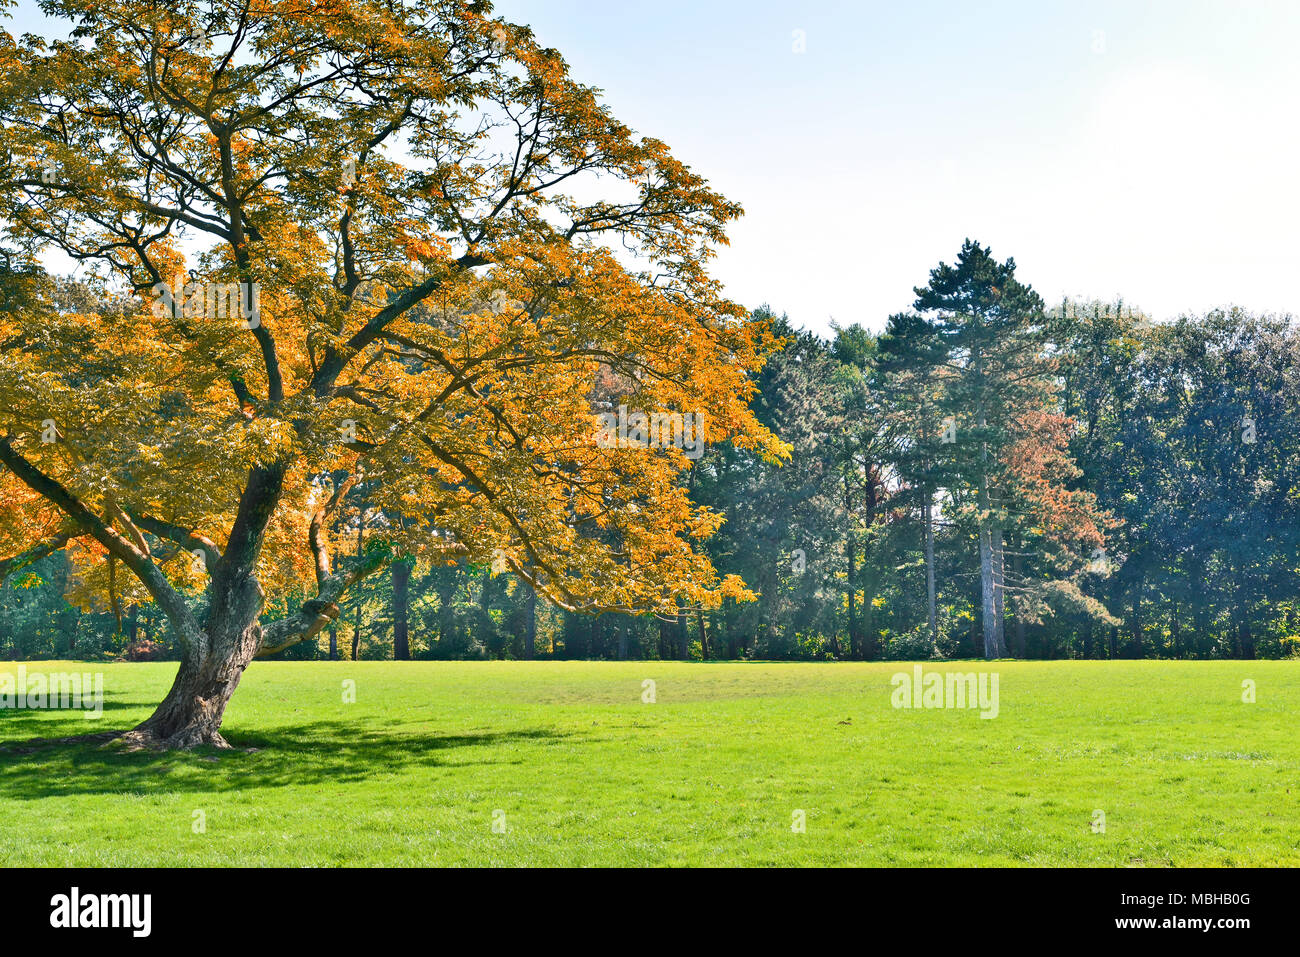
(910, 375)
(991, 330)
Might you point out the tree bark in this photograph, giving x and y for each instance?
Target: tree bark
(993, 646)
(988, 605)
(1245, 640)
(193, 710)
(999, 583)
(401, 605)
(530, 625)
(850, 552)
(1018, 570)
(931, 596)
(1135, 634)
(210, 669)
(868, 640)
(356, 622)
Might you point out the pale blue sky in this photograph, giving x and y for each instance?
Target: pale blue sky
(1142, 149)
(1156, 159)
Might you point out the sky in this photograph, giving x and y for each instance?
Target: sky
(1143, 150)
(1136, 149)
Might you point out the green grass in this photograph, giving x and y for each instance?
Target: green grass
(587, 774)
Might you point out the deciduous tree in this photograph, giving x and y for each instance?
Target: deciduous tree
(393, 241)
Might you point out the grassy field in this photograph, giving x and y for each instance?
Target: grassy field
(582, 772)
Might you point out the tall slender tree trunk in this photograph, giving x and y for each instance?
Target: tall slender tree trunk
(990, 593)
(988, 605)
(1135, 634)
(1018, 569)
(851, 553)
(704, 637)
(931, 593)
(989, 555)
(334, 642)
(530, 625)
(1245, 639)
(869, 642)
(999, 585)
(356, 618)
(401, 608)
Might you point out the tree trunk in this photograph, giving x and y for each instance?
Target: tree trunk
(868, 641)
(988, 604)
(853, 571)
(1018, 569)
(530, 626)
(1135, 634)
(999, 582)
(191, 713)
(1245, 640)
(356, 622)
(209, 672)
(931, 596)
(704, 637)
(401, 604)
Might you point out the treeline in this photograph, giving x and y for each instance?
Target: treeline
(987, 476)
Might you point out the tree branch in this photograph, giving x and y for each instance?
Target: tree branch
(168, 598)
(34, 554)
(187, 539)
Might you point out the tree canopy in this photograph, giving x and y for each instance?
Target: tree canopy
(341, 241)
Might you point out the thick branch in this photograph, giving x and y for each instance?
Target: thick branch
(337, 360)
(34, 554)
(318, 612)
(189, 540)
(150, 575)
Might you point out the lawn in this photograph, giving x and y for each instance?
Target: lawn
(581, 771)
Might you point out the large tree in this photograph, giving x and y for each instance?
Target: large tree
(435, 241)
(1008, 438)
(911, 372)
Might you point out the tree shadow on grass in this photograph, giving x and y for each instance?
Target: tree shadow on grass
(324, 753)
(22, 726)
